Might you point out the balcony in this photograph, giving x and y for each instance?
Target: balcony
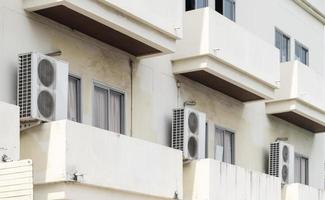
(123, 24)
(77, 161)
(211, 179)
(218, 53)
(301, 192)
(301, 97)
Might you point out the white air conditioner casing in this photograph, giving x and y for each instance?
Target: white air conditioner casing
(281, 161)
(188, 133)
(42, 88)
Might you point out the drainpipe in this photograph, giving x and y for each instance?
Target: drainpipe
(131, 64)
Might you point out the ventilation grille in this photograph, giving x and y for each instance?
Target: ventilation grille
(274, 159)
(178, 129)
(25, 84)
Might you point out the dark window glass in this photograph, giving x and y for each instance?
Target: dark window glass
(229, 9)
(282, 42)
(302, 53)
(195, 4)
(226, 8)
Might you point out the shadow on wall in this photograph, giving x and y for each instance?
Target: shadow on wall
(169, 134)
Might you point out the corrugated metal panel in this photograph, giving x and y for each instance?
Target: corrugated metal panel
(16, 180)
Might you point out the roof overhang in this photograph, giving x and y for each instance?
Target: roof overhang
(299, 113)
(229, 80)
(106, 24)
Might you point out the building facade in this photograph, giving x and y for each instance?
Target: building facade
(255, 70)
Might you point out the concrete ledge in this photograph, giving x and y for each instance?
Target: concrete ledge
(102, 159)
(299, 113)
(227, 79)
(9, 131)
(211, 179)
(301, 192)
(106, 24)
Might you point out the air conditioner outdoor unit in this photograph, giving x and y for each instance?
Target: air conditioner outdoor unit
(281, 161)
(188, 133)
(42, 88)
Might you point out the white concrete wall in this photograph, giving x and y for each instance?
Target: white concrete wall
(105, 159)
(155, 91)
(302, 192)
(9, 131)
(88, 59)
(301, 82)
(156, 94)
(75, 191)
(208, 32)
(210, 179)
(288, 17)
(165, 15)
(317, 163)
(126, 18)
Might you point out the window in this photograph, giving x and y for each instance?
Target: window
(109, 106)
(224, 145)
(301, 169)
(282, 42)
(74, 99)
(195, 4)
(302, 53)
(229, 9)
(226, 8)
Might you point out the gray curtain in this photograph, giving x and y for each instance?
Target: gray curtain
(219, 149)
(100, 113)
(227, 155)
(115, 112)
(73, 99)
(224, 145)
(297, 169)
(303, 171)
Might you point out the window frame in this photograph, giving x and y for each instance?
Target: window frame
(303, 47)
(283, 34)
(306, 158)
(233, 3)
(233, 138)
(110, 88)
(79, 96)
(206, 2)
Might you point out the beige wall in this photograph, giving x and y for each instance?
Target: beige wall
(155, 91)
(9, 131)
(211, 179)
(61, 191)
(301, 192)
(102, 159)
(287, 16)
(88, 58)
(254, 130)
